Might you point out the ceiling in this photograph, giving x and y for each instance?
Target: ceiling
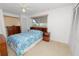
(16, 8)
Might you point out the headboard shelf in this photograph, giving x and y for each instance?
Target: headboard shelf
(44, 29)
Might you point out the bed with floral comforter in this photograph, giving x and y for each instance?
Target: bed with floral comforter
(20, 42)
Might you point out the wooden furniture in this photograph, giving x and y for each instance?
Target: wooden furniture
(46, 36)
(44, 29)
(13, 30)
(3, 46)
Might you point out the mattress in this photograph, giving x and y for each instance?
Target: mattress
(20, 42)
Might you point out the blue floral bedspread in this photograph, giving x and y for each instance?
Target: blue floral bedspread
(20, 42)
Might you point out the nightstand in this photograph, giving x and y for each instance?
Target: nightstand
(3, 46)
(46, 36)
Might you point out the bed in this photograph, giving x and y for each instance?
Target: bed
(22, 42)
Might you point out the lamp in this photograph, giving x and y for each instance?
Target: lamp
(24, 7)
(23, 10)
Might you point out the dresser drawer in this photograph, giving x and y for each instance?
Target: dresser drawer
(46, 36)
(46, 39)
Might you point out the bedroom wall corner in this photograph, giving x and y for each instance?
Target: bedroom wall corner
(59, 23)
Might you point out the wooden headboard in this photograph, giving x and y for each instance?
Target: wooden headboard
(13, 30)
(43, 29)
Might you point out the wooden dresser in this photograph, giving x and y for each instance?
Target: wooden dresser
(3, 46)
(13, 30)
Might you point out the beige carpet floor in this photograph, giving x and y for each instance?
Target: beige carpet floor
(43, 48)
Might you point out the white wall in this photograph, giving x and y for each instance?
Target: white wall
(40, 14)
(2, 25)
(59, 23)
(26, 23)
(10, 14)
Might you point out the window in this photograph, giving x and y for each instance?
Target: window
(40, 21)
